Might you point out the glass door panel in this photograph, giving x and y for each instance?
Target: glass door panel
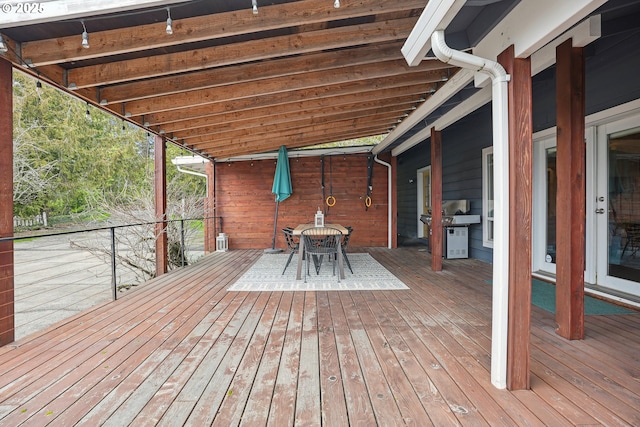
(623, 183)
(551, 190)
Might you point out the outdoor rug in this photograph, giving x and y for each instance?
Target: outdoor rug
(266, 275)
(543, 295)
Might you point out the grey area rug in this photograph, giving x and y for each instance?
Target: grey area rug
(266, 275)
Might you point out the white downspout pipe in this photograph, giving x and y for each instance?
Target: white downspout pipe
(389, 213)
(500, 108)
(190, 172)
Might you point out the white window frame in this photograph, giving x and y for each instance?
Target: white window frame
(421, 201)
(487, 220)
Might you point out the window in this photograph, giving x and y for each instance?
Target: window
(487, 197)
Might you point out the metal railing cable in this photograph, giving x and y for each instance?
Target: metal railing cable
(183, 244)
(63, 272)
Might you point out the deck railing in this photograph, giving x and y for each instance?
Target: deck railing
(57, 274)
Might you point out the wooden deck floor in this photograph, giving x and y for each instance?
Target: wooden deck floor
(184, 351)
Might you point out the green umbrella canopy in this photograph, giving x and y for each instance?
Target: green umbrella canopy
(282, 179)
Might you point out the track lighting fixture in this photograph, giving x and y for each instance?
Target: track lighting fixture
(255, 6)
(169, 22)
(3, 45)
(38, 85)
(336, 4)
(85, 36)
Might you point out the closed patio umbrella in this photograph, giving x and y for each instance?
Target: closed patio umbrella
(281, 188)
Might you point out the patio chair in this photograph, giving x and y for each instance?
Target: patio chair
(345, 243)
(318, 243)
(292, 243)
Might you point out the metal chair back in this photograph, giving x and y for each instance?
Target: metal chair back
(292, 243)
(318, 243)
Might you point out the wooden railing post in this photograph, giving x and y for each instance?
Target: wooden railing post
(7, 322)
(162, 246)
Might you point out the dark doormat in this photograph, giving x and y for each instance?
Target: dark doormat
(543, 295)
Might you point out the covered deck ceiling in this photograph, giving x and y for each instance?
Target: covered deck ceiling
(229, 82)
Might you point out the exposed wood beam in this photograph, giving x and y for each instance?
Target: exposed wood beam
(307, 81)
(250, 72)
(285, 113)
(278, 123)
(413, 86)
(249, 135)
(232, 54)
(298, 136)
(209, 27)
(293, 140)
(256, 93)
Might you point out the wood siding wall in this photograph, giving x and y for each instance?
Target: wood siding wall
(247, 207)
(611, 67)
(407, 189)
(611, 64)
(462, 146)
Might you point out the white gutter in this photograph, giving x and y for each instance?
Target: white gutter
(500, 308)
(389, 212)
(190, 172)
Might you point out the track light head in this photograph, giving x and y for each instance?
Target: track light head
(336, 4)
(254, 4)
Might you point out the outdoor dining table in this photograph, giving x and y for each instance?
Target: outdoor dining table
(298, 232)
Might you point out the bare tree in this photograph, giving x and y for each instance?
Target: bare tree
(134, 219)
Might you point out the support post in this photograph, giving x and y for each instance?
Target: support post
(114, 280)
(436, 200)
(520, 218)
(162, 246)
(394, 202)
(7, 320)
(210, 211)
(571, 195)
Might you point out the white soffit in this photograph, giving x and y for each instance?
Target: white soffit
(456, 83)
(533, 24)
(582, 34)
(437, 15)
(468, 106)
(27, 13)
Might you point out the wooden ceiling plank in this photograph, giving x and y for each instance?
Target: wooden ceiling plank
(212, 110)
(286, 112)
(309, 81)
(231, 54)
(295, 139)
(250, 72)
(194, 29)
(250, 135)
(274, 124)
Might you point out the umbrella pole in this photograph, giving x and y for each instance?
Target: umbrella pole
(272, 249)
